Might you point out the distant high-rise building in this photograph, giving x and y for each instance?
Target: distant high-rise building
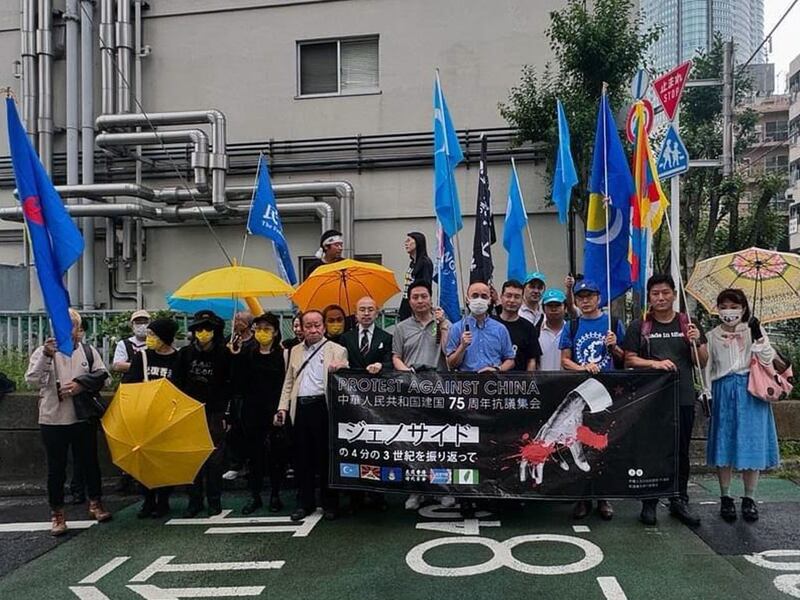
(690, 25)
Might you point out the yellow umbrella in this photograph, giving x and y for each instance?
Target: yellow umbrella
(233, 282)
(344, 283)
(157, 433)
(771, 281)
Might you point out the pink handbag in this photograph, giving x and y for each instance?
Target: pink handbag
(766, 383)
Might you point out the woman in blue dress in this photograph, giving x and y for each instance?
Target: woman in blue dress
(741, 433)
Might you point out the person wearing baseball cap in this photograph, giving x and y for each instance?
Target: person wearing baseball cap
(554, 306)
(126, 349)
(588, 344)
(202, 371)
(531, 310)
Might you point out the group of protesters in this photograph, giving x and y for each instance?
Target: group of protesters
(266, 398)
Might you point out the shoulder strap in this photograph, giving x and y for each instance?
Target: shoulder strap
(538, 324)
(683, 322)
(573, 328)
(129, 348)
(144, 365)
(87, 350)
(313, 354)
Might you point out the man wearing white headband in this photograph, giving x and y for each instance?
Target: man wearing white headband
(331, 245)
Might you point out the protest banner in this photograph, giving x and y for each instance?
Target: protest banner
(557, 435)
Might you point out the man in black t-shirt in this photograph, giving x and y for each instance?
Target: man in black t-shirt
(524, 335)
(669, 341)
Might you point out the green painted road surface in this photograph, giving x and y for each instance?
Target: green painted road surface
(535, 551)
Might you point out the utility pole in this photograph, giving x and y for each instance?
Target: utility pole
(727, 108)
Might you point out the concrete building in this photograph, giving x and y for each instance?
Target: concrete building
(689, 25)
(332, 91)
(794, 154)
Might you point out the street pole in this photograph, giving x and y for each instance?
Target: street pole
(675, 219)
(727, 108)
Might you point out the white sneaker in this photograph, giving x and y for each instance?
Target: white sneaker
(413, 502)
(447, 501)
(230, 475)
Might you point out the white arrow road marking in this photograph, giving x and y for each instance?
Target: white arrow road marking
(88, 593)
(104, 570)
(611, 588)
(163, 564)
(42, 526)
(153, 592)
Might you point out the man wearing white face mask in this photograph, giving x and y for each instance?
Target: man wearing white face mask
(478, 343)
(128, 348)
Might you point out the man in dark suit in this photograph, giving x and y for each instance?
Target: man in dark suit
(369, 349)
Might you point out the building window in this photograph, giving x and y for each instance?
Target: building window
(776, 131)
(337, 67)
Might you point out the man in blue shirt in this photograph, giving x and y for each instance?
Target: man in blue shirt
(591, 345)
(478, 343)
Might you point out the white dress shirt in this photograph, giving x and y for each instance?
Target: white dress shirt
(312, 379)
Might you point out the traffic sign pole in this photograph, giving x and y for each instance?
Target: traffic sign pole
(675, 230)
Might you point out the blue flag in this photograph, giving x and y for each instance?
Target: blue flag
(611, 182)
(446, 277)
(565, 176)
(265, 220)
(55, 238)
(516, 222)
(446, 157)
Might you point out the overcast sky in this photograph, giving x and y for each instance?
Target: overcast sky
(785, 40)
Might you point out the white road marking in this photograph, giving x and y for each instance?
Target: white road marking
(153, 592)
(42, 526)
(88, 593)
(97, 575)
(163, 564)
(708, 502)
(581, 529)
(611, 588)
(202, 521)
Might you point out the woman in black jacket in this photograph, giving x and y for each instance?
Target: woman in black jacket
(419, 269)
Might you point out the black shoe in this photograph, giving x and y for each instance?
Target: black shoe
(298, 515)
(252, 506)
(749, 510)
(275, 504)
(330, 515)
(680, 510)
(605, 509)
(727, 509)
(162, 510)
(581, 509)
(193, 510)
(648, 514)
(78, 499)
(146, 511)
(214, 508)
(467, 509)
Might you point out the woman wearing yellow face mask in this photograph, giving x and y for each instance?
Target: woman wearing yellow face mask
(335, 322)
(156, 361)
(258, 373)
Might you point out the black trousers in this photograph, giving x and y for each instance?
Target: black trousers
(311, 455)
(58, 439)
(266, 449)
(209, 478)
(685, 427)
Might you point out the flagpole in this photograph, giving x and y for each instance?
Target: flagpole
(606, 200)
(525, 210)
(452, 200)
(252, 197)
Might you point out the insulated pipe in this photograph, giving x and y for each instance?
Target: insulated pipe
(28, 55)
(87, 147)
(198, 137)
(44, 50)
(71, 20)
(124, 45)
(107, 55)
(218, 160)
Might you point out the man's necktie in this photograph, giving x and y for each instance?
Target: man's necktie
(364, 347)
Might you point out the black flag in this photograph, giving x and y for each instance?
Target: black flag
(482, 266)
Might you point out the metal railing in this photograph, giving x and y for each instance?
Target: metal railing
(23, 332)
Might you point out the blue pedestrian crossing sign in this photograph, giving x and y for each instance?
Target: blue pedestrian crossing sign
(673, 159)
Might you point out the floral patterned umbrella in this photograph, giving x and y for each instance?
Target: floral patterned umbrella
(771, 281)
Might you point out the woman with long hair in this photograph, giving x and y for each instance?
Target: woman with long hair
(741, 433)
(420, 268)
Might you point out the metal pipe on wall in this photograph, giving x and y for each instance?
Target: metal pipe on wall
(124, 46)
(28, 55)
(218, 159)
(199, 157)
(72, 20)
(87, 146)
(44, 51)
(107, 56)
